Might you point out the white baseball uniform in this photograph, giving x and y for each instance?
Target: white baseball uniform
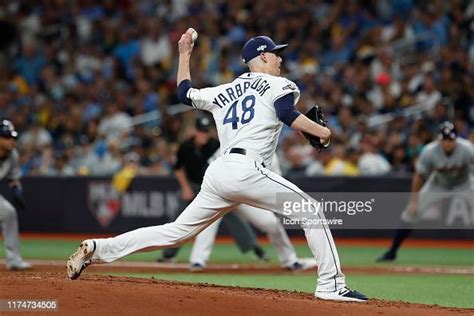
(263, 220)
(248, 130)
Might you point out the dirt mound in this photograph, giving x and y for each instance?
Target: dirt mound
(98, 294)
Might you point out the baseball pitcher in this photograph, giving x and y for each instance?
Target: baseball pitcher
(249, 113)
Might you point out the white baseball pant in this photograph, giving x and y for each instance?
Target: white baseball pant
(229, 181)
(263, 220)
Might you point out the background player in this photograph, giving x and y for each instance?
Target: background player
(191, 163)
(446, 166)
(10, 170)
(249, 114)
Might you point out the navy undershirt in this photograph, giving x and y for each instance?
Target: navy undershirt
(183, 89)
(285, 109)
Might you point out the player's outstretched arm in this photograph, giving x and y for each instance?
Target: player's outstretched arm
(187, 192)
(185, 47)
(416, 185)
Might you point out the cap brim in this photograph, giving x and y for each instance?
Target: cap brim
(279, 48)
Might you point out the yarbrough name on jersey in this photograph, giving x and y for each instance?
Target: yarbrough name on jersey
(235, 91)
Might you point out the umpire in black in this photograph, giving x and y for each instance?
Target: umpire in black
(191, 163)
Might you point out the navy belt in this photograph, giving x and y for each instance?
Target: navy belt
(237, 150)
(241, 151)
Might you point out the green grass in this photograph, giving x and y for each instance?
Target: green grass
(361, 256)
(443, 290)
(229, 253)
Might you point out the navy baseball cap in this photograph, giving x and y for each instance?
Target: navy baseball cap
(260, 44)
(446, 130)
(7, 129)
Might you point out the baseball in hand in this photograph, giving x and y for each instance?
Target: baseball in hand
(194, 34)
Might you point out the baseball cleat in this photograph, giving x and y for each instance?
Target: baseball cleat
(196, 267)
(387, 257)
(344, 295)
(81, 259)
(19, 266)
(303, 264)
(260, 254)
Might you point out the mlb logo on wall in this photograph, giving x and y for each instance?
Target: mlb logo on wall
(103, 201)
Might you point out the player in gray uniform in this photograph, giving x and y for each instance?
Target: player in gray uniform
(445, 166)
(10, 170)
(249, 113)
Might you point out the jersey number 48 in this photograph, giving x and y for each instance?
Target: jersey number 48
(248, 112)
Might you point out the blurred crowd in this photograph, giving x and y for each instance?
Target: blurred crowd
(88, 82)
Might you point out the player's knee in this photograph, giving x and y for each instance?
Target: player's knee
(8, 212)
(179, 233)
(176, 241)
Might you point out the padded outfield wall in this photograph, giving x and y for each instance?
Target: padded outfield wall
(91, 205)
